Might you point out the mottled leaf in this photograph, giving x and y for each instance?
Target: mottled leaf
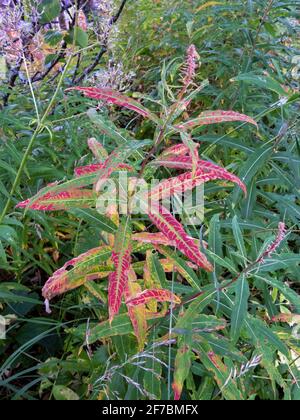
(88, 266)
(121, 256)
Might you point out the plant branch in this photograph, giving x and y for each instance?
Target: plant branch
(103, 49)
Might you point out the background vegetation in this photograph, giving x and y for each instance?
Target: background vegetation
(247, 344)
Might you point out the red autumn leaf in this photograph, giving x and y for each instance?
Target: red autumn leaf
(153, 238)
(176, 150)
(185, 182)
(215, 117)
(97, 149)
(156, 239)
(204, 167)
(61, 201)
(98, 167)
(86, 267)
(174, 231)
(113, 97)
(121, 257)
(88, 169)
(159, 295)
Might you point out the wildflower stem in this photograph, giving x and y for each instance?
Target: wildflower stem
(39, 128)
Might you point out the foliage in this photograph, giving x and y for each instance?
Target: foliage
(147, 305)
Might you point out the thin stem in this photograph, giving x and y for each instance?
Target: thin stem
(38, 129)
(31, 89)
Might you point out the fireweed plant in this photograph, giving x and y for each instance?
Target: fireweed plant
(138, 289)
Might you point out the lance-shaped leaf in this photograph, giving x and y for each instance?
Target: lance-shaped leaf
(193, 150)
(113, 97)
(115, 159)
(157, 239)
(137, 314)
(204, 167)
(160, 295)
(215, 117)
(176, 150)
(174, 231)
(82, 181)
(88, 266)
(61, 201)
(97, 149)
(96, 168)
(183, 362)
(121, 257)
(186, 182)
(88, 169)
(222, 374)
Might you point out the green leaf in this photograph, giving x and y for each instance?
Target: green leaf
(213, 363)
(287, 292)
(280, 262)
(240, 308)
(49, 9)
(63, 393)
(183, 362)
(254, 164)
(195, 308)
(262, 335)
(157, 271)
(95, 219)
(7, 234)
(262, 81)
(238, 236)
(121, 325)
(223, 262)
(82, 39)
(185, 271)
(53, 37)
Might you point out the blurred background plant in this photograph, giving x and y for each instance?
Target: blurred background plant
(249, 54)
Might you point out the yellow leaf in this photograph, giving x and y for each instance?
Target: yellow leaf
(208, 4)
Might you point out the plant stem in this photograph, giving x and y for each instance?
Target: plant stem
(38, 129)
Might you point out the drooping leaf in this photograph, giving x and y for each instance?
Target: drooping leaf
(159, 295)
(137, 314)
(263, 81)
(215, 117)
(121, 256)
(174, 231)
(111, 96)
(88, 266)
